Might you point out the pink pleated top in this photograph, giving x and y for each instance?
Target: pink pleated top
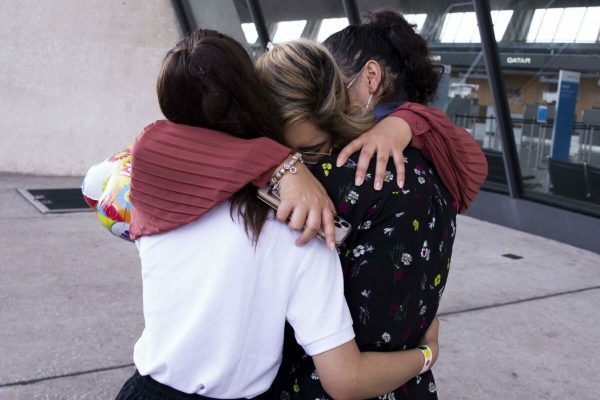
(180, 172)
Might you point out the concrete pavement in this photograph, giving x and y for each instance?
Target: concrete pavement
(71, 309)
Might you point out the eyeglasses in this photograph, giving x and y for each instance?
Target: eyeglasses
(312, 157)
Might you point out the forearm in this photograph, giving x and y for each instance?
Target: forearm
(369, 374)
(378, 373)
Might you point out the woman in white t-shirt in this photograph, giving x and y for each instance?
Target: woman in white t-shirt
(218, 290)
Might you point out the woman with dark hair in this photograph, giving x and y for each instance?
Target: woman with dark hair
(387, 70)
(218, 289)
(396, 261)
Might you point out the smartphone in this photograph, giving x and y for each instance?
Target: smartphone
(342, 227)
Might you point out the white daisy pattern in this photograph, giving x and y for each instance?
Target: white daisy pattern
(365, 225)
(406, 259)
(432, 387)
(353, 197)
(388, 176)
(361, 250)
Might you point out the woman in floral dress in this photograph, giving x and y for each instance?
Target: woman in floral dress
(397, 257)
(395, 262)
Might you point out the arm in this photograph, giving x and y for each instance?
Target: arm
(325, 333)
(346, 373)
(458, 159)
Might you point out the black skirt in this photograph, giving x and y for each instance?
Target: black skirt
(140, 387)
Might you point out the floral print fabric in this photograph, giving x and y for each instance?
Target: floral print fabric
(396, 262)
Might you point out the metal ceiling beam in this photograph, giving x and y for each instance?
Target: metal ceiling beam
(182, 15)
(351, 10)
(259, 22)
(496, 82)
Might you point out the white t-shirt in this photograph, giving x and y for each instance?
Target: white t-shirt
(215, 306)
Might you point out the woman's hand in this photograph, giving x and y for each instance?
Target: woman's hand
(306, 204)
(431, 339)
(390, 136)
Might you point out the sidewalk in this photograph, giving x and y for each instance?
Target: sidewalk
(71, 309)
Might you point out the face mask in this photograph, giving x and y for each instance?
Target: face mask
(355, 77)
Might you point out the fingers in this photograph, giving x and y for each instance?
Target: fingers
(331, 205)
(329, 228)
(382, 160)
(298, 218)
(284, 210)
(363, 164)
(348, 150)
(311, 228)
(400, 168)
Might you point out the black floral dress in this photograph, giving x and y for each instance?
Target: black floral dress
(396, 262)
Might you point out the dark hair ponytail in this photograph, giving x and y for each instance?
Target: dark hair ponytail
(209, 80)
(390, 40)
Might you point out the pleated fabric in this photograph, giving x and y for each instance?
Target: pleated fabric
(458, 159)
(180, 172)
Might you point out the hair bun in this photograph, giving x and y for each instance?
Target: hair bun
(387, 37)
(400, 34)
(386, 19)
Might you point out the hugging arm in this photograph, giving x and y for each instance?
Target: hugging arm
(457, 157)
(322, 325)
(346, 373)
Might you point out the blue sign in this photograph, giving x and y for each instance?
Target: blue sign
(542, 114)
(568, 86)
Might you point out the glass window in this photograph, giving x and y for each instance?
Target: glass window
(451, 27)
(565, 25)
(250, 32)
(569, 24)
(500, 19)
(468, 28)
(416, 19)
(462, 27)
(549, 25)
(288, 30)
(536, 22)
(330, 26)
(588, 31)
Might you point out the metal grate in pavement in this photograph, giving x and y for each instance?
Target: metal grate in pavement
(49, 201)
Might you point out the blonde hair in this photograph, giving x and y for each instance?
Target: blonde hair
(306, 84)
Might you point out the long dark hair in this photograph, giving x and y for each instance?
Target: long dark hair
(390, 40)
(209, 80)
